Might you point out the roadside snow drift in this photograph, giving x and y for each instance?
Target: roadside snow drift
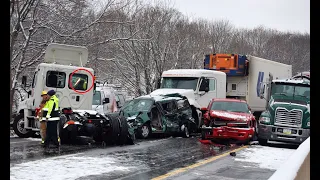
(265, 157)
(65, 167)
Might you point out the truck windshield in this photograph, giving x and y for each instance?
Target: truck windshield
(96, 98)
(180, 82)
(290, 90)
(138, 105)
(230, 106)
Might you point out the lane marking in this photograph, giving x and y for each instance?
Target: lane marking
(180, 170)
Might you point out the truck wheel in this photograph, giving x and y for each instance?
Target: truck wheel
(263, 142)
(18, 127)
(123, 131)
(115, 125)
(144, 131)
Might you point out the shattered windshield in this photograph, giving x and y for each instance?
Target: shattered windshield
(180, 82)
(96, 98)
(290, 90)
(230, 106)
(138, 105)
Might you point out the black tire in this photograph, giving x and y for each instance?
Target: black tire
(144, 132)
(203, 135)
(124, 132)
(18, 127)
(186, 133)
(115, 130)
(255, 136)
(263, 142)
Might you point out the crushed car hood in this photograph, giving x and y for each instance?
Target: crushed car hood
(185, 92)
(230, 115)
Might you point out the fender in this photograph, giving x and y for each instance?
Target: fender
(22, 105)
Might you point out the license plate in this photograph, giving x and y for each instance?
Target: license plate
(286, 131)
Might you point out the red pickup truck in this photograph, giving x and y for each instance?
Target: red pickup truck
(228, 120)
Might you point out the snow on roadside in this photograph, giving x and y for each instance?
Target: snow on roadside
(65, 167)
(265, 157)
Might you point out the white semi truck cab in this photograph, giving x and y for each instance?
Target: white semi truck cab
(61, 71)
(205, 84)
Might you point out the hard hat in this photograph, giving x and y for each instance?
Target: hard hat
(44, 93)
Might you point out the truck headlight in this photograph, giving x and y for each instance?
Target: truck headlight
(264, 119)
(308, 123)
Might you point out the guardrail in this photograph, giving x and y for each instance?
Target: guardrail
(297, 167)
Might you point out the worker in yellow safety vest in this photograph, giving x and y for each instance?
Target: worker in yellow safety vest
(52, 115)
(39, 115)
(81, 84)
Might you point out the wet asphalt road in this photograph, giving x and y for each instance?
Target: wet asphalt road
(146, 159)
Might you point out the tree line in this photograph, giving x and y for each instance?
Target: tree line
(131, 42)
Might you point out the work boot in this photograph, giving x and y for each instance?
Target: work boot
(59, 142)
(42, 143)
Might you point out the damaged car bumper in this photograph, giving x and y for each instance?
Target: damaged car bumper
(225, 132)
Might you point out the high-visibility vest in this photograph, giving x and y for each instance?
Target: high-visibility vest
(51, 109)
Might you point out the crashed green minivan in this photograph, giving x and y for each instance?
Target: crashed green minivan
(168, 114)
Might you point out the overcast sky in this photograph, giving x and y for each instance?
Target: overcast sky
(283, 15)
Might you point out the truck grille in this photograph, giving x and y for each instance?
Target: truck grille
(291, 118)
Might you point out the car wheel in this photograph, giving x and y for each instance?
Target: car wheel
(186, 132)
(145, 131)
(203, 135)
(18, 127)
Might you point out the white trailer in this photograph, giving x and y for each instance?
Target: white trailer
(248, 87)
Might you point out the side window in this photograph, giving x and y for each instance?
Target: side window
(56, 79)
(34, 80)
(79, 81)
(212, 84)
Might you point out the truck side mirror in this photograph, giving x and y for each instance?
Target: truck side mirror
(106, 101)
(204, 85)
(24, 81)
(261, 91)
(158, 83)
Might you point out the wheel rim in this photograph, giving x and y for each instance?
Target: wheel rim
(20, 127)
(186, 131)
(145, 131)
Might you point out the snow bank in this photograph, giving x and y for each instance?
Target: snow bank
(265, 157)
(288, 171)
(65, 167)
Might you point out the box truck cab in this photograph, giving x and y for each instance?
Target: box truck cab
(60, 72)
(104, 100)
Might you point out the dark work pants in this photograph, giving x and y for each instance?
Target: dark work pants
(52, 134)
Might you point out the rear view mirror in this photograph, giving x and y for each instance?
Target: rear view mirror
(24, 81)
(106, 100)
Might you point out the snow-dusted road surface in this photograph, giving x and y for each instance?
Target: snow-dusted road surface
(145, 160)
